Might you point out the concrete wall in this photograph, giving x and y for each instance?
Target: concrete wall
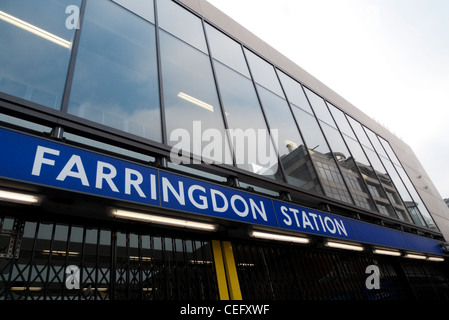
(424, 186)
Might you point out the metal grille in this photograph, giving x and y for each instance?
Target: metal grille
(112, 264)
(292, 272)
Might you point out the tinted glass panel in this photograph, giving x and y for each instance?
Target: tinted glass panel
(115, 81)
(226, 50)
(417, 204)
(327, 169)
(389, 150)
(348, 168)
(190, 97)
(243, 112)
(342, 122)
(145, 9)
(35, 49)
(377, 146)
(319, 106)
(181, 23)
(294, 92)
(291, 149)
(368, 173)
(263, 73)
(359, 132)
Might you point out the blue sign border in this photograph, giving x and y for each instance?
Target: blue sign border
(46, 162)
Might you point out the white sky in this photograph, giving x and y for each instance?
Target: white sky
(389, 58)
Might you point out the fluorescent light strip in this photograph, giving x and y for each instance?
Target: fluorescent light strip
(35, 30)
(436, 259)
(26, 288)
(387, 252)
(61, 253)
(346, 246)
(18, 197)
(278, 237)
(415, 256)
(164, 220)
(196, 101)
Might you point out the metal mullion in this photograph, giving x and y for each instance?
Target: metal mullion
(299, 130)
(74, 54)
(160, 80)
(388, 174)
(349, 150)
(97, 254)
(329, 146)
(83, 249)
(220, 98)
(281, 167)
(394, 167)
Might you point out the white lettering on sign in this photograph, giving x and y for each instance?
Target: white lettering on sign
(312, 221)
(105, 175)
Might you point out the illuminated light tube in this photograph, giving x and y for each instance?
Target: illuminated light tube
(341, 245)
(436, 259)
(164, 220)
(387, 252)
(18, 197)
(61, 253)
(278, 237)
(196, 101)
(415, 256)
(26, 288)
(35, 30)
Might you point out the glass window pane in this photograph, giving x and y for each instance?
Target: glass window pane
(327, 169)
(341, 121)
(361, 135)
(190, 97)
(294, 92)
(115, 81)
(348, 168)
(320, 108)
(226, 50)
(390, 151)
(417, 204)
(291, 149)
(377, 146)
(181, 23)
(263, 73)
(34, 62)
(145, 9)
(243, 112)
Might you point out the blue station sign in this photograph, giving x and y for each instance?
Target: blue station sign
(50, 163)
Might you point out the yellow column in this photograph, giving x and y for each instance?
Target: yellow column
(231, 271)
(220, 270)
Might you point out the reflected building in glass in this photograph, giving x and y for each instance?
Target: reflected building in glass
(136, 74)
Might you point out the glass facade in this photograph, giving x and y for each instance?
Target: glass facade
(158, 72)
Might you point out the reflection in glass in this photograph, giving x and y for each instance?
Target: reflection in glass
(243, 113)
(115, 81)
(191, 101)
(226, 50)
(348, 168)
(181, 23)
(35, 50)
(319, 106)
(327, 169)
(369, 175)
(291, 149)
(293, 91)
(145, 9)
(263, 73)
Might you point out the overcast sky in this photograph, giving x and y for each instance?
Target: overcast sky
(389, 58)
